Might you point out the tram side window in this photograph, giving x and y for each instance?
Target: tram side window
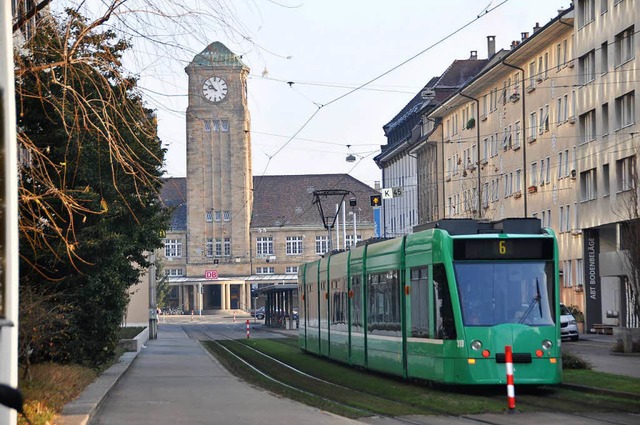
(339, 305)
(311, 299)
(356, 302)
(383, 312)
(443, 313)
(420, 302)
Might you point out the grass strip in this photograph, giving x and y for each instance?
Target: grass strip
(247, 374)
(591, 378)
(49, 387)
(396, 397)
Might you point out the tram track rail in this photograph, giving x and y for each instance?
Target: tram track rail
(527, 401)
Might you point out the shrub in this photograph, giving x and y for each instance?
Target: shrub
(573, 361)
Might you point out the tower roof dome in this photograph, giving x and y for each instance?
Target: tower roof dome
(216, 55)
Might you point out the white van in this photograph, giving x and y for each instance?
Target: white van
(568, 326)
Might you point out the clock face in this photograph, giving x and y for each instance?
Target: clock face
(214, 89)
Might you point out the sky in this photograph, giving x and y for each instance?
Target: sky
(326, 49)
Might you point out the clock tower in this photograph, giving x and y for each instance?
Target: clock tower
(219, 176)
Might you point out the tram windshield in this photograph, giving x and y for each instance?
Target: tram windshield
(505, 292)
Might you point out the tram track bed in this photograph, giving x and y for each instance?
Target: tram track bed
(356, 394)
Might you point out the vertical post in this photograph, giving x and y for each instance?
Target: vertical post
(344, 225)
(8, 215)
(355, 230)
(511, 393)
(248, 327)
(337, 226)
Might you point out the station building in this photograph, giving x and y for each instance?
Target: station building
(233, 232)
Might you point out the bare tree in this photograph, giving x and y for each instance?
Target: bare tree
(58, 52)
(629, 212)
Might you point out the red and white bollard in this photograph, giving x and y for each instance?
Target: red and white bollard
(511, 392)
(234, 316)
(248, 327)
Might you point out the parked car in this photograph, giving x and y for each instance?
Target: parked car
(260, 313)
(568, 326)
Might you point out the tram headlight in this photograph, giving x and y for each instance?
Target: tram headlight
(476, 345)
(546, 344)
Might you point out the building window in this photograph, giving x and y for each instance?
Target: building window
(561, 219)
(224, 126)
(605, 180)
(534, 174)
(558, 57)
(604, 55)
(173, 272)
(265, 270)
(588, 126)
(587, 67)
(207, 126)
(264, 245)
(544, 119)
(209, 216)
(567, 280)
(625, 171)
(218, 215)
(209, 247)
(227, 247)
(350, 241)
(588, 187)
(227, 215)
(560, 175)
(322, 244)
(579, 272)
(172, 248)
(604, 6)
(624, 47)
(605, 119)
(585, 11)
(625, 113)
(291, 270)
(218, 247)
(516, 141)
(532, 75)
(294, 245)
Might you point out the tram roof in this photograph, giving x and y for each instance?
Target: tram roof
(465, 226)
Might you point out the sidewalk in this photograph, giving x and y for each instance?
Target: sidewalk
(596, 350)
(174, 380)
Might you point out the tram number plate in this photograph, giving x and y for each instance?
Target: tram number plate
(517, 358)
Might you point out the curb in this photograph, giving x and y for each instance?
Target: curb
(81, 410)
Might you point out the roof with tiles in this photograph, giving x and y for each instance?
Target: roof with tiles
(218, 55)
(280, 201)
(460, 72)
(174, 195)
(411, 108)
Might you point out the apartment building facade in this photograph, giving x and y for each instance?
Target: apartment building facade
(508, 142)
(606, 50)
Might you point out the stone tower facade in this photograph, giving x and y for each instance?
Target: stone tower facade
(219, 184)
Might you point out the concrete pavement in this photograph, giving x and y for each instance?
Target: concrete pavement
(174, 380)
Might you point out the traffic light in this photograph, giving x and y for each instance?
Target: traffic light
(376, 200)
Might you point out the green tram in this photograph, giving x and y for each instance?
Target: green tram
(440, 304)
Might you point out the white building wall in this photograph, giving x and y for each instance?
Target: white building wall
(400, 213)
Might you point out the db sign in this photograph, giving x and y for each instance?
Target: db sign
(211, 274)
